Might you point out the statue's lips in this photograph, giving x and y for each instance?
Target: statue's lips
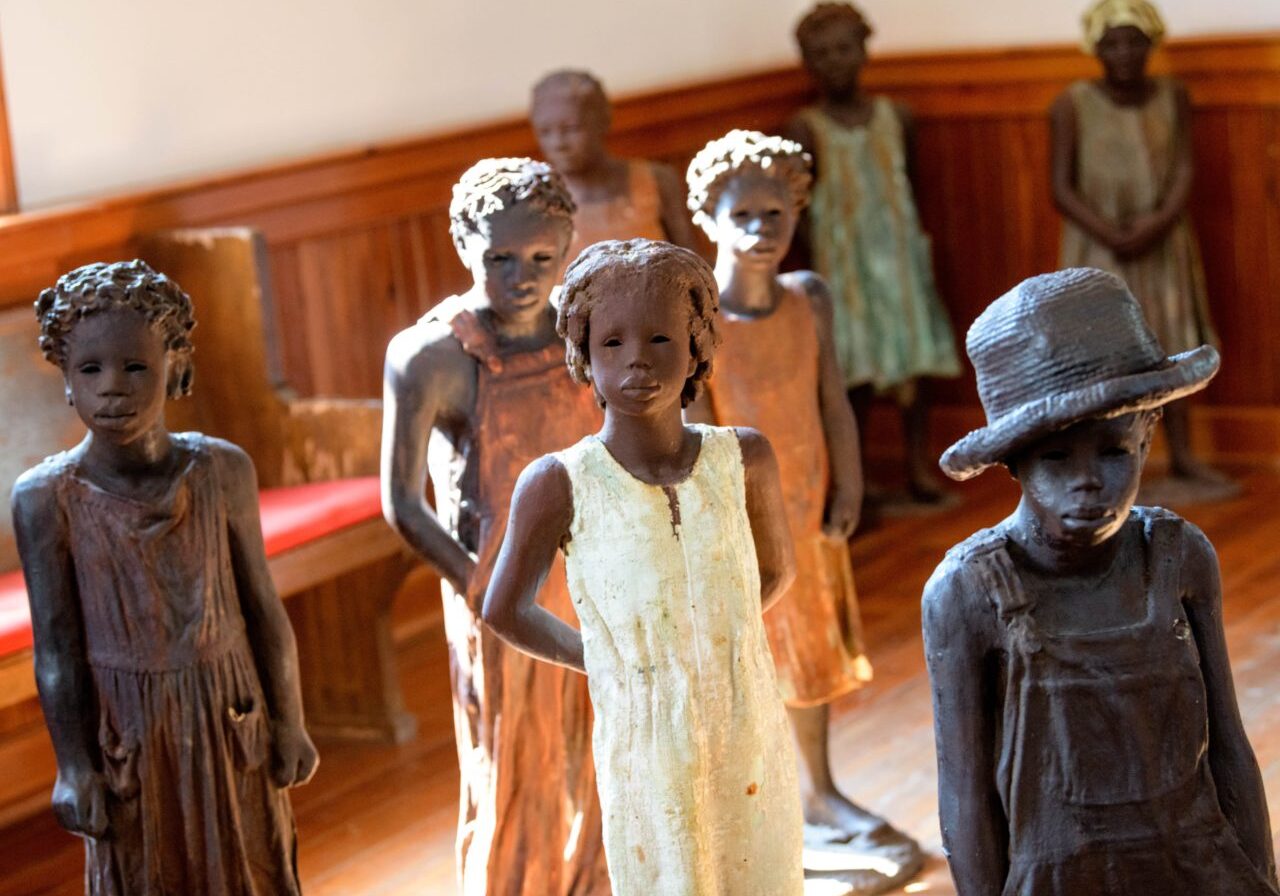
(640, 388)
(1089, 514)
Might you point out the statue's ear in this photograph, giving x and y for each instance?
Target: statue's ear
(181, 373)
(67, 390)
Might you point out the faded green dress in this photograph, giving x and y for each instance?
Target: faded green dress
(890, 326)
(1125, 160)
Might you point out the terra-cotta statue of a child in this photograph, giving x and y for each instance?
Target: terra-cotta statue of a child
(776, 371)
(674, 538)
(864, 236)
(165, 663)
(617, 199)
(475, 391)
(1087, 729)
(1122, 174)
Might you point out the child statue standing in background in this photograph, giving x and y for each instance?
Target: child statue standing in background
(617, 199)
(1121, 178)
(865, 238)
(776, 372)
(476, 390)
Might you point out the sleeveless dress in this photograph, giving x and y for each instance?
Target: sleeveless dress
(182, 721)
(866, 240)
(1103, 765)
(529, 817)
(1125, 159)
(693, 755)
(815, 631)
(636, 215)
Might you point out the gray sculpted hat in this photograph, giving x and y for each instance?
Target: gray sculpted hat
(1060, 348)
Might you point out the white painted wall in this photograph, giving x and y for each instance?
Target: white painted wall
(109, 95)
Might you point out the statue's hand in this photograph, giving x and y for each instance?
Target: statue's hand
(843, 513)
(80, 802)
(293, 755)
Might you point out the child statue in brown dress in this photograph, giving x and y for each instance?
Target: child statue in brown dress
(1121, 178)
(617, 199)
(475, 391)
(1087, 729)
(865, 239)
(776, 371)
(165, 662)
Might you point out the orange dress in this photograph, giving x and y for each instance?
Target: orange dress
(767, 376)
(529, 821)
(636, 215)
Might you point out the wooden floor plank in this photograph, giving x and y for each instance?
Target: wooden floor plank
(380, 820)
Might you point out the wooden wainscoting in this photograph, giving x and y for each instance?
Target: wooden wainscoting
(359, 243)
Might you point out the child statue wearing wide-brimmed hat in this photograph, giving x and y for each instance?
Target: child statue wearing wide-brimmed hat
(1088, 735)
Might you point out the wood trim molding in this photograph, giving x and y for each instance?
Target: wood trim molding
(341, 190)
(8, 178)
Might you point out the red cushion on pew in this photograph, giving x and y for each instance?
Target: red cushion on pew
(290, 516)
(15, 614)
(298, 514)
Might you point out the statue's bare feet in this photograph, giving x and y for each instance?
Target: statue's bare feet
(854, 852)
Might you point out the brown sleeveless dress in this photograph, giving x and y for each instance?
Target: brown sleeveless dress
(182, 724)
(767, 375)
(636, 215)
(529, 822)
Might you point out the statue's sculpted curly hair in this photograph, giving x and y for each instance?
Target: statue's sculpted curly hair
(122, 284)
(492, 185)
(823, 15)
(598, 271)
(739, 151)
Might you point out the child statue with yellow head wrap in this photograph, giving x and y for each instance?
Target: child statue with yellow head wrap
(1122, 174)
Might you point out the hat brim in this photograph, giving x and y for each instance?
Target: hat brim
(1185, 373)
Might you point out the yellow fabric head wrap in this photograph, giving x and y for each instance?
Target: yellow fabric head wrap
(1113, 13)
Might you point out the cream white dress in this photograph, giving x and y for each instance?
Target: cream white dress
(694, 761)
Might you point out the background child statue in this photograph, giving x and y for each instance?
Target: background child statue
(166, 665)
(1121, 178)
(776, 371)
(617, 199)
(673, 536)
(864, 235)
(476, 390)
(1087, 729)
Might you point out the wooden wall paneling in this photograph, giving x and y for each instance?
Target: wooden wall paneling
(359, 241)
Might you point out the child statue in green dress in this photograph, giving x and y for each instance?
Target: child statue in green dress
(865, 238)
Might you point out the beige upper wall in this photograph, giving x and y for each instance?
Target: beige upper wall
(109, 95)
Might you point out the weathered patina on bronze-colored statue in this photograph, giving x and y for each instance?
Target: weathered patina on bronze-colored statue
(165, 662)
(475, 391)
(863, 235)
(1087, 729)
(617, 199)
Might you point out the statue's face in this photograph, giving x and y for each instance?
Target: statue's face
(515, 257)
(1080, 483)
(1123, 52)
(638, 345)
(835, 55)
(570, 130)
(755, 219)
(117, 374)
